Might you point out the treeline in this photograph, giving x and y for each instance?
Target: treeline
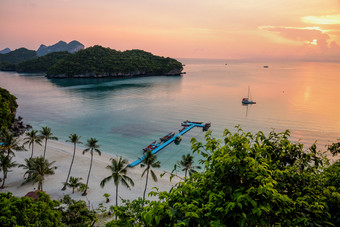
(8, 107)
(94, 61)
(9, 61)
(100, 61)
(41, 64)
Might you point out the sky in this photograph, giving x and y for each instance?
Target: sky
(217, 29)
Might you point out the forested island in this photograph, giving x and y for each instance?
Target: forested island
(95, 61)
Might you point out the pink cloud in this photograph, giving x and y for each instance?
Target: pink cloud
(298, 34)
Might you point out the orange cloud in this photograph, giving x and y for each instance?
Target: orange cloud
(298, 34)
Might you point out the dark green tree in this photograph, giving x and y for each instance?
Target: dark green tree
(47, 134)
(249, 180)
(74, 182)
(6, 163)
(24, 211)
(10, 143)
(74, 138)
(118, 171)
(149, 162)
(31, 138)
(92, 146)
(8, 106)
(187, 164)
(38, 169)
(76, 213)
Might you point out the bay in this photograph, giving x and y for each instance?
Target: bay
(126, 115)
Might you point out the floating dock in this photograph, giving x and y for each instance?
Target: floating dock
(187, 126)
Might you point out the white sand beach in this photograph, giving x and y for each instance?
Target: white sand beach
(62, 154)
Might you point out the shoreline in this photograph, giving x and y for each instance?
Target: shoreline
(61, 153)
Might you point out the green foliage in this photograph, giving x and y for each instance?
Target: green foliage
(74, 183)
(118, 170)
(8, 106)
(17, 56)
(98, 60)
(249, 180)
(24, 211)
(41, 64)
(37, 169)
(76, 213)
(130, 213)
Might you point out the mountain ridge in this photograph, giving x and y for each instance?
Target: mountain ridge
(70, 47)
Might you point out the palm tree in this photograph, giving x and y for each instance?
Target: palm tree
(28, 165)
(10, 143)
(39, 168)
(5, 164)
(91, 146)
(74, 183)
(187, 164)
(32, 137)
(74, 138)
(118, 175)
(47, 134)
(149, 162)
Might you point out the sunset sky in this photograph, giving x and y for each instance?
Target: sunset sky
(228, 29)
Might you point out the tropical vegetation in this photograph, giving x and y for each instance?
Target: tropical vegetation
(248, 180)
(31, 138)
(97, 60)
(46, 134)
(149, 162)
(6, 163)
(187, 164)
(8, 107)
(41, 64)
(17, 56)
(25, 211)
(92, 146)
(75, 139)
(118, 171)
(73, 182)
(37, 169)
(91, 62)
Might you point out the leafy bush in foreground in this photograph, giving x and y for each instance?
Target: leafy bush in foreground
(249, 180)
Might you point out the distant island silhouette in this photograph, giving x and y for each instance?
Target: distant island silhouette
(63, 60)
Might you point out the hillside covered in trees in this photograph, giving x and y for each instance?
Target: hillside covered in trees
(98, 61)
(8, 107)
(41, 64)
(9, 61)
(95, 61)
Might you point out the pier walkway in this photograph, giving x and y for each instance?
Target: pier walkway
(188, 125)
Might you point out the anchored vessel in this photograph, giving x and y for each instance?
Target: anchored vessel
(248, 100)
(171, 137)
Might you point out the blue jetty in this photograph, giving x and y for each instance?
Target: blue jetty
(171, 137)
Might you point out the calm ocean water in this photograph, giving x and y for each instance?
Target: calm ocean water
(126, 115)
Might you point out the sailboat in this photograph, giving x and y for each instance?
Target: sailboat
(248, 100)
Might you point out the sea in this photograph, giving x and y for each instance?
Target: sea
(126, 115)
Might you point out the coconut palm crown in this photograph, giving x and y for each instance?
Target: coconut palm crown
(118, 171)
(31, 138)
(149, 161)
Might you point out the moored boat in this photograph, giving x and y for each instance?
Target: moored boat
(248, 99)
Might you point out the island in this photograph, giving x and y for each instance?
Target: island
(98, 61)
(92, 62)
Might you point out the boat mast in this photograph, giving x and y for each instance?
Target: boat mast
(248, 92)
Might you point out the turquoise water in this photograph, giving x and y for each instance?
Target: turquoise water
(126, 115)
